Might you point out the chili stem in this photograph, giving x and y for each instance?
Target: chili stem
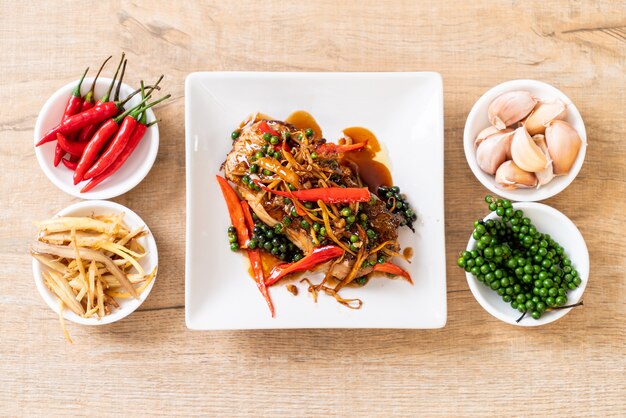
(91, 92)
(133, 94)
(149, 105)
(131, 110)
(119, 83)
(76, 91)
(105, 98)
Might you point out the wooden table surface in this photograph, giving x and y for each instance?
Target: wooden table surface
(150, 364)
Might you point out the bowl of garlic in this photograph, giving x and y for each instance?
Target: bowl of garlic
(525, 140)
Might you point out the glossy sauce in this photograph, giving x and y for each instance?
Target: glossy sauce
(373, 173)
(408, 253)
(304, 120)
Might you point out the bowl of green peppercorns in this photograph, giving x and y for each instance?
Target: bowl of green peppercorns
(526, 263)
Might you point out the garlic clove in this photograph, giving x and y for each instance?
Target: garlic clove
(482, 135)
(546, 175)
(543, 114)
(563, 145)
(509, 108)
(493, 151)
(509, 176)
(526, 154)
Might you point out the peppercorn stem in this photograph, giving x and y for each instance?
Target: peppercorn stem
(567, 306)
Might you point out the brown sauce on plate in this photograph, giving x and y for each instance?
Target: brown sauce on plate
(408, 253)
(372, 172)
(303, 121)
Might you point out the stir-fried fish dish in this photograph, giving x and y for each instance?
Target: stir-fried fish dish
(299, 203)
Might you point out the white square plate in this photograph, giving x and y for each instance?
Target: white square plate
(404, 111)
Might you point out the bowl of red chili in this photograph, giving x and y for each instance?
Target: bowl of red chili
(134, 166)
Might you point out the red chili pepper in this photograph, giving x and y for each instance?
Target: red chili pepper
(69, 164)
(392, 269)
(93, 147)
(117, 145)
(330, 148)
(58, 154)
(317, 257)
(73, 148)
(73, 107)
(255, 259)
(102, 111)
(97, 142)
(115, 148)
(138, 133)
(87, 132)
(235, 211)
(265, 128)
(80, 120)
(325, 194)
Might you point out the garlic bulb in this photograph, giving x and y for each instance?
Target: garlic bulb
(509, 108)
(509, 176)
(493, 151)
(563, 144)
(526, 154)
(543, 114)
(546, 175)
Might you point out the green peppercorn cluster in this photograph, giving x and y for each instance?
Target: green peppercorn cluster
(271, 240)
(527, 268)
(274, 242)
(232, 238)
(396, 202)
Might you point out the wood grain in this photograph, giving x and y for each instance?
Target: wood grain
(150, 364)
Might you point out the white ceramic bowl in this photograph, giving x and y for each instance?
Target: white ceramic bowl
(548, 221)
(477, 120)
(128, 176)
(127, 305)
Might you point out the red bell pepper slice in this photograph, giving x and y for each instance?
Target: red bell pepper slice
(325, 194)
(235, 211)
(265, 128)
(330, 148)
(392, 269)
(317, 257)
(255, 259)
